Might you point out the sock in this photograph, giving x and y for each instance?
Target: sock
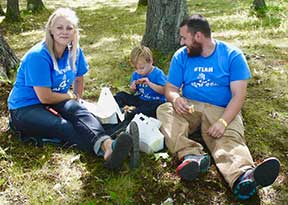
(113, 144)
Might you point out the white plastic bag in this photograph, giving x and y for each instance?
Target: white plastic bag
(150, 138)
(106, 109)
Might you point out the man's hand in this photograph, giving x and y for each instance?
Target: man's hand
(181, 106)
(216, 130)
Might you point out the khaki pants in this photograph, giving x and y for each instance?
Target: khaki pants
(230, 153)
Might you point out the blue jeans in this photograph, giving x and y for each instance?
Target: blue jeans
(147, 108)
(76, 125)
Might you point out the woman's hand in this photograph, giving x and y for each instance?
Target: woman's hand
(72, 95)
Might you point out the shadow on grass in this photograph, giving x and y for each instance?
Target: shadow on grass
(24, 155)
(154, 182)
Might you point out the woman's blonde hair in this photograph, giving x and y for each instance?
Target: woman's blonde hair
(70, 16)
(141, 52)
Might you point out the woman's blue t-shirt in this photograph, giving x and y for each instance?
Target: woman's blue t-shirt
(207, 79)
(36, 69)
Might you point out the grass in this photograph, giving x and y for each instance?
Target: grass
(109, 30)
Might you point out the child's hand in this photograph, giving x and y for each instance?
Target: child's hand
(143, 81)
(133, 86)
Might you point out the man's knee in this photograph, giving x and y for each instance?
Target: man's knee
(163, 109)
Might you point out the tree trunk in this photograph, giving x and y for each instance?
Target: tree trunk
(2, 13)
(162, 24)
(35, 5)
(259, 4)
(8, 59)
(13, 12)
(142, 2)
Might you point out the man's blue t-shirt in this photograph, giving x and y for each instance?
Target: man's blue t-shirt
(207, 79)
(146, 93)
(36, 69)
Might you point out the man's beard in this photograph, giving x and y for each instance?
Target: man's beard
(195, 50)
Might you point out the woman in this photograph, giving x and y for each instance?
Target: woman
(41, 104)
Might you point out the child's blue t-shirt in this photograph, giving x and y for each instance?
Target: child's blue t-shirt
(207, 79)
(36, 69)
(143, 91)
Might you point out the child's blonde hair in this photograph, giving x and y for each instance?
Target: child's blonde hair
(141, 52)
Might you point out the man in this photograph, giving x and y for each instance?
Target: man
(206, 89)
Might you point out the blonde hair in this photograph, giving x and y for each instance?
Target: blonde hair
(141, 52)
(70, 16)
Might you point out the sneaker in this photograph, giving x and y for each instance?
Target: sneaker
(192, 166)
(261, 176)
(121, 148)
(135, 155)
(204, 162)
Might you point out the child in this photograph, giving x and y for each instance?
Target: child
(147, 84)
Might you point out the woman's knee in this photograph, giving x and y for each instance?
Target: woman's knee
(71, 107)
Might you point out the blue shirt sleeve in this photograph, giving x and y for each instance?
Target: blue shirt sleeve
(162, 78)
(37, 71)
(239, 69)
(81, 63)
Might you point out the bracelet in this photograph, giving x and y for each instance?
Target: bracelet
(72, 95)
(223, 122)
(75, 95)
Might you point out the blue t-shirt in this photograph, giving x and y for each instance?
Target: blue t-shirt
(143, 91)
(36, 69)
(207, 79)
